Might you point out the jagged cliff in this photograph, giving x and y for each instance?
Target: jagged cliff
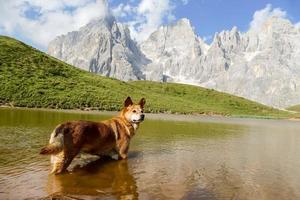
(103, 46)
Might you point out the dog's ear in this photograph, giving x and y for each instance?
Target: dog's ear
(128, 102)
(142, 102)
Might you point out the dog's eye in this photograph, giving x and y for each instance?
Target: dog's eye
(142, 111)
(134, 111)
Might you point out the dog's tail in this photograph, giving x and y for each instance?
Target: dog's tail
(56, 142)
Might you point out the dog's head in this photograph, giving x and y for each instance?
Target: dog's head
(134, 113)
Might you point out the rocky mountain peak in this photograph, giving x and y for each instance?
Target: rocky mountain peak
(277, 24)
(106, 21)
(178, 38)
(103, 46)
(170, 48)
(229, 40)
(184, 22)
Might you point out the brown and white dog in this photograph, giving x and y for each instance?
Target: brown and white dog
(99, 138)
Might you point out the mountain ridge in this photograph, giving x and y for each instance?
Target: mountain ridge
(261, 64)
(101, 46)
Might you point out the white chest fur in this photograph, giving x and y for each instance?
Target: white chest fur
(135, 126)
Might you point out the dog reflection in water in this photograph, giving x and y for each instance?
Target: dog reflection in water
(104, 177)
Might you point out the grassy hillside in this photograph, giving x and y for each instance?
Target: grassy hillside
(295, 108)
(30, 78)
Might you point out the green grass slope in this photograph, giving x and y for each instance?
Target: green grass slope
(295, 108)
(30, 78)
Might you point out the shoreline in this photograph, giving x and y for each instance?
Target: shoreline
(172, 117)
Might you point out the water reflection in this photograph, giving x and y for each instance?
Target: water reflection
(104, 177)
(42, 118)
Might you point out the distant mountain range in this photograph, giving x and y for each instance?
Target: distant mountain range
(261, 64)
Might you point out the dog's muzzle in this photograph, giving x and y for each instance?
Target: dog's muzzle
(142, 117)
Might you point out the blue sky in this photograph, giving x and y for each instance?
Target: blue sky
(209, 16)
(37, 21)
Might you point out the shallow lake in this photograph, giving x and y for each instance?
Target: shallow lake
(206, 158)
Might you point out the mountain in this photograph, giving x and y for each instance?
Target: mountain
(103, 46)
(262, 64)
(174, 53)
(30, 78)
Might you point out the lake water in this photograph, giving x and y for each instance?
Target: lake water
(208, 158)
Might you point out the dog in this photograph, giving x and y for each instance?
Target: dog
(98, 138)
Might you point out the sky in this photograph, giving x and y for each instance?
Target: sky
(37, 22)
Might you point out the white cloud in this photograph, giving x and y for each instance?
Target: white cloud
(123, 10)
(297, 25)
(145, 17)
(40, 21)
(150, 16)
(49, 18)
(261, 16)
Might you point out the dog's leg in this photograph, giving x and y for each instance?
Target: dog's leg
(67, 161)
(71, 149)
(123, 149)
(57, 162)
(62, 161)
(65, 157)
